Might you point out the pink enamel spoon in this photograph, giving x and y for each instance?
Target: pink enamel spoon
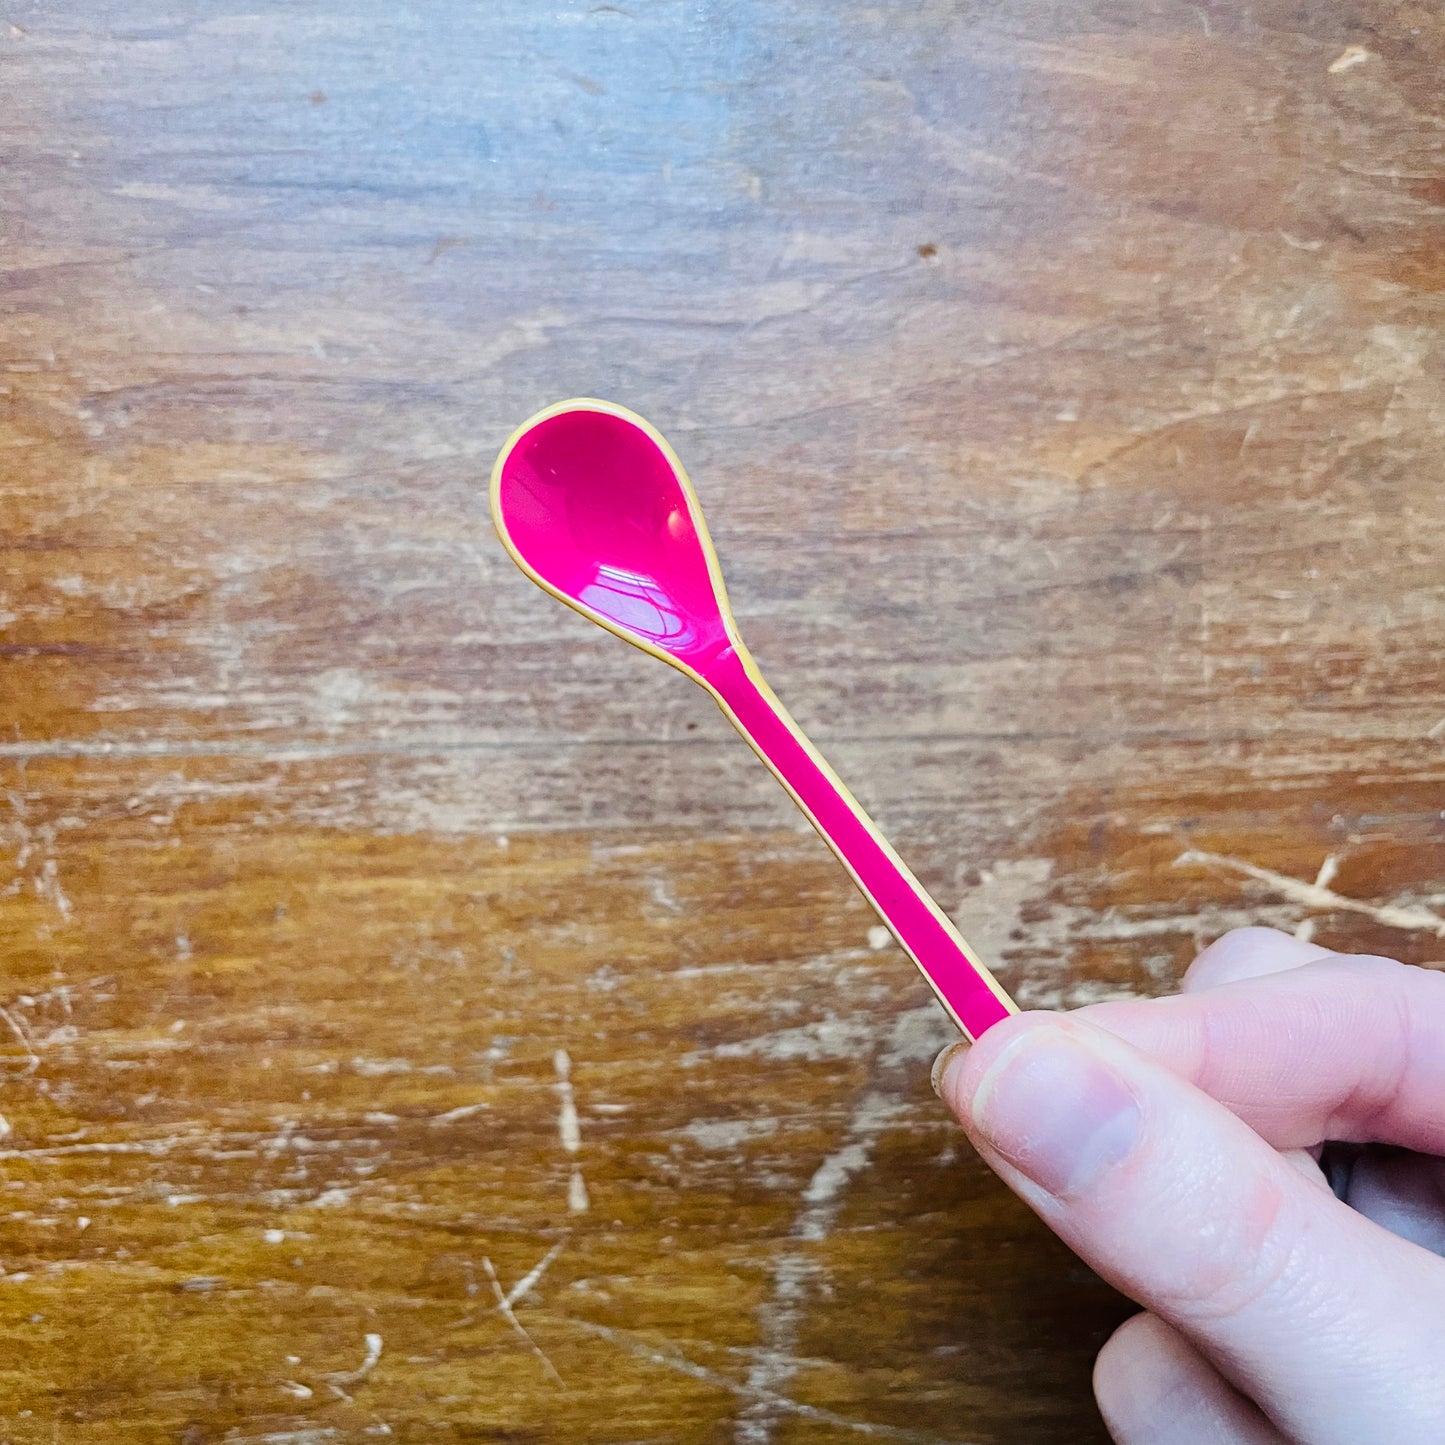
(594, 507)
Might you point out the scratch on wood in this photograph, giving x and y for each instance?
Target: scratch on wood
(462, 1111)
(578, 1200)
(794, 1272)
(528, 1281)
(1315, 895)
(666, 1355)
(155, 1146)
(917, 1035)
(341, 1378)
(373, 1354)
(287, 1437)
(1347, 59)
(47, 886)
(504, 1308)
(32, 1059)
(568, 1126)
(570, 1130)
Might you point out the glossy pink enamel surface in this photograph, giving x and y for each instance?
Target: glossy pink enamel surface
(596, 509)
(593, 505)
(895, 896)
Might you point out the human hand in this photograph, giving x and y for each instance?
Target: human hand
(1172, 1143)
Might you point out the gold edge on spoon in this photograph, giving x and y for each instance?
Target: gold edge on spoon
(845, 794)
(709, 552)
(754, 674)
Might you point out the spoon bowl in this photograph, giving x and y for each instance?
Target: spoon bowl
(595, 507)
(593, 503)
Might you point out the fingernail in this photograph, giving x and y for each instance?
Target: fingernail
(1056, 1112)
(940, 1064)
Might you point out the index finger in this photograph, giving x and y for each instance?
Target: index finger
(1350, 1047)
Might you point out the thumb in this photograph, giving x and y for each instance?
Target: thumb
(1334, 1327)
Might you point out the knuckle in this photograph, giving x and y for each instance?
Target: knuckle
(1237, 949)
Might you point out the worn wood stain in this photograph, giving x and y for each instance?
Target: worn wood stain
(420, 1016)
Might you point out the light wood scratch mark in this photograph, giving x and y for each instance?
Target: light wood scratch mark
(528, 1281)
(668, 1357)
(504, 1307)
(341, 1378)
(287, 1437)
(1318, 896)
(578, 1200)
(569, 1129)
(32, 1059)
(58, 1151)
(794, 1272)
(1347, 59)
(464, 1111)
(917, 1035)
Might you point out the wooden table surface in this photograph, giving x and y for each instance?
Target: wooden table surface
(1065, 385)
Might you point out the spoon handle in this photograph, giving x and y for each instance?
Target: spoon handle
(964, 986)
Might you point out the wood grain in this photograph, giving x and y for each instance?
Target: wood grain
(1065, 385)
